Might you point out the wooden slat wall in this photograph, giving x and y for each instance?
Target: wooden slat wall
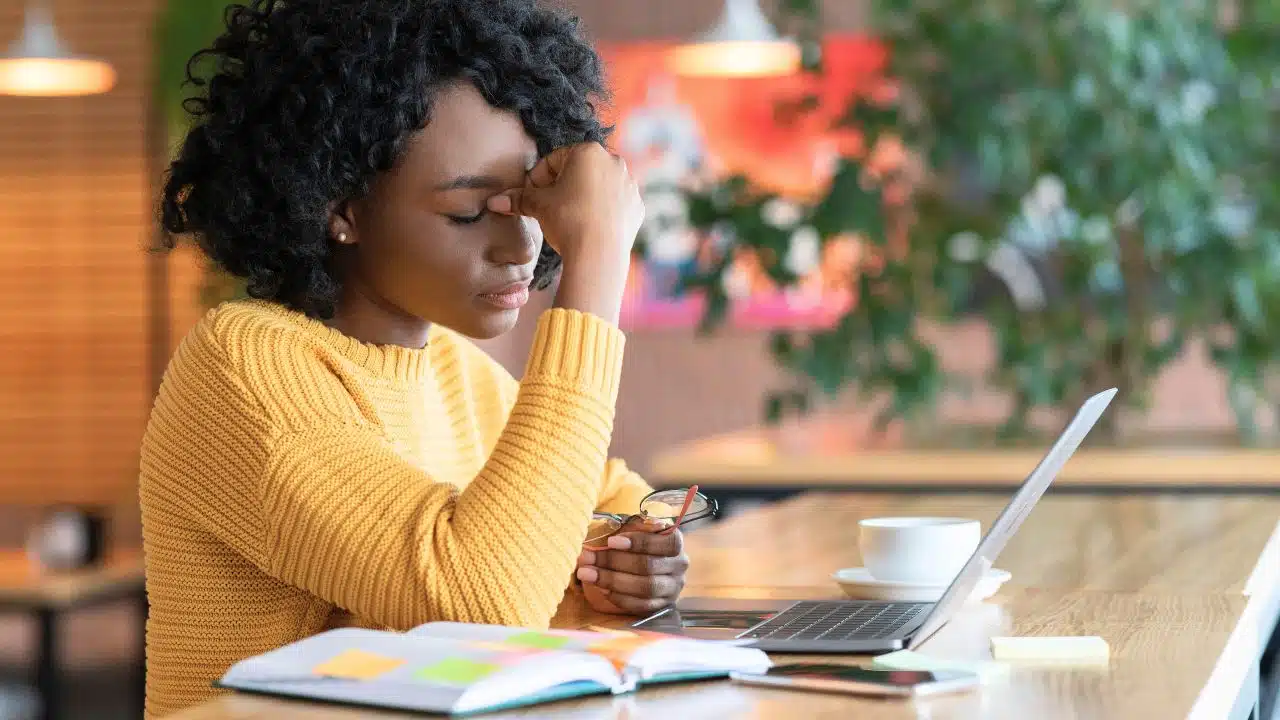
(73, 201)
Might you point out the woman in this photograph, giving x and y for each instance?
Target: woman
(381, 173)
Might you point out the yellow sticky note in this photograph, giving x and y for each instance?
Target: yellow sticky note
(1086, 649)
(909, 660)
(357, 665)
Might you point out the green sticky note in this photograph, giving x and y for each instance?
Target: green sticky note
(542, 641)
(457, 671)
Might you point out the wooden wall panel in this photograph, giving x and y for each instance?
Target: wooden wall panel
(73, 217)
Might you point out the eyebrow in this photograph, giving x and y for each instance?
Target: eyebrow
(471, 182)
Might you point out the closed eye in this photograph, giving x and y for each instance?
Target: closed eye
(466, 219)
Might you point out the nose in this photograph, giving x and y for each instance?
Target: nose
(517, 241)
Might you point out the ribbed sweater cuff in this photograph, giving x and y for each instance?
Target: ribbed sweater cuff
(579, 349)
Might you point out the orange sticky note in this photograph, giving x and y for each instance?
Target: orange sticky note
(357, 665)
(618, 650)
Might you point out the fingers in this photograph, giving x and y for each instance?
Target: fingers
(637, 564)
(544, 173)
(637, 583)
(646, 524)
(639, 605)
(529, 200)
(667, 544)
(620, 584)
(634, 563)
(504, 203)
(523, 201)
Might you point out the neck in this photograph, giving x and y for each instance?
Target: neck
(371, 319)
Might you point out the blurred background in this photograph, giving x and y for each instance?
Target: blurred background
(875, 227)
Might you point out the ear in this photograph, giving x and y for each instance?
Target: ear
(342, 229)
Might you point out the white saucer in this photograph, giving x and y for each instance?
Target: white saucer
(858, 584)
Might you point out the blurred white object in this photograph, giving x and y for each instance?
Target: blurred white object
(781, 214)
(62, 541)
(18, 703)
(805, 253)
(858, 583)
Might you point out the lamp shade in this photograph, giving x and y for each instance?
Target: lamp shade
(39, 65)
(742, 43)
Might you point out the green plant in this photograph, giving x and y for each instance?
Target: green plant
(1124, 150)
(183, 28)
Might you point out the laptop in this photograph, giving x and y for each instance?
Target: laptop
(864, 626)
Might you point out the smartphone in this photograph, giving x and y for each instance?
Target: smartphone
(855, 680)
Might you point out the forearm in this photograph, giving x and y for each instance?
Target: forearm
(377, 536)
(593, 281)
(542, 479)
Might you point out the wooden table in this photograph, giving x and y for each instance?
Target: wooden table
(1184, 589)
(831, 454)
(1144, 679)
(46, 596)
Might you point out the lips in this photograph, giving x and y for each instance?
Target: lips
(508, 297)
(512, 288)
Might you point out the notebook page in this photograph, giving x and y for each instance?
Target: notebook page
(617, 648)
(640, 655)
(394, 670)
(684, 658)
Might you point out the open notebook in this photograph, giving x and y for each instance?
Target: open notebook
(460, 669)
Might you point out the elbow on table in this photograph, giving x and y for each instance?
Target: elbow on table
(498, 601)
(488, 583)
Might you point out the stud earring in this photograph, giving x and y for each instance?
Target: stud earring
(342, 238)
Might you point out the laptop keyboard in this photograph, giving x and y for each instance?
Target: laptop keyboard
(813, 620)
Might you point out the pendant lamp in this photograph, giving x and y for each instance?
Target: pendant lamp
(39, 65)
(742, 43)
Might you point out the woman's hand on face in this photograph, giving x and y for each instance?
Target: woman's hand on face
(641, 572)
(590, 211)
(583, 197)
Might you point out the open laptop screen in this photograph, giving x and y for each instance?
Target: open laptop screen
(1024, 500)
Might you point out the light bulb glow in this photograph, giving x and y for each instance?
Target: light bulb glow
(736, 59)
(54, 77)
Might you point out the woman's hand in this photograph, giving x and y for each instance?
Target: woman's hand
(590, 211)
(641, 572)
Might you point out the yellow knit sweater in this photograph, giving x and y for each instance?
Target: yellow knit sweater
(294, 478)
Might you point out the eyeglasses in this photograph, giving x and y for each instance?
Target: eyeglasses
(677, 507)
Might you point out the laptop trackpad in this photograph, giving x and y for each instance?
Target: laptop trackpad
(706, 624)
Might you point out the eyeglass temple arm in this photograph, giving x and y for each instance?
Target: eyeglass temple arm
(688, 500)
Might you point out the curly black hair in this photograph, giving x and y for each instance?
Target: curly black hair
(307, 101)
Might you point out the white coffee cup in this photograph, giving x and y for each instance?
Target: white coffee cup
(917, 549)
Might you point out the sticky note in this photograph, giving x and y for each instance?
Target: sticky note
(909, 660)
(542, 641)
(619, 649)
(1086, 649)
(456, 671)
(504, 654)
(357, 665)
